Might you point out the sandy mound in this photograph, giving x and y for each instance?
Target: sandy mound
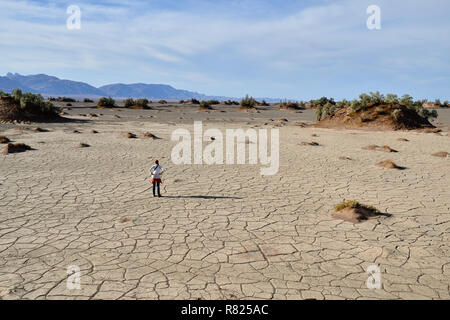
(14, 148)
(313, 144)
(149, 135)
(353, 211)
(27, 107)
(4, 139)
(442, 154)
(377, 117)
(374, 147)
(37, 129)
(129, 135)
(389, 164)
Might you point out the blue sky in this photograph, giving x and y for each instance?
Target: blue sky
(281, 49)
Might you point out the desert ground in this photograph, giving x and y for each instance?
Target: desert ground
(220, 231)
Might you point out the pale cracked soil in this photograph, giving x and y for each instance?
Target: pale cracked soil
(221, 232)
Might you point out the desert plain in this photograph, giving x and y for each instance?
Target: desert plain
(220, 231)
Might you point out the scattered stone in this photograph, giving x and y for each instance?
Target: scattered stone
(83, 145)
(442, 154)
(76, 131)
(93, 131)
(402, 139)
(116, 116)
(124, 220)
(14, 148)
(345, 158)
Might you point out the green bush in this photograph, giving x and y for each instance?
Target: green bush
(129, 103)
(143, 103)
(391, 98)
(106, 102)
(30, 105)
(248, 102)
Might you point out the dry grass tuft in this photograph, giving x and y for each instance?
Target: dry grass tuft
(353, 211)
(441, 154)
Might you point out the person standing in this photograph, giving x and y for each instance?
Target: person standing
(156, 171)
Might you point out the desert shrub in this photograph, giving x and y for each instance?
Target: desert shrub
(129, 103)
(21, 106)
(391, 98)
(162, 101)
(205, 105)
(248, 102)
(68, 104)
(438, 103)
(16, 93)
(342, 104)
(106, 102)
(143, 103)
(86, 100)
(376, 97)
(397, 114)
(321, 102)
(213, 102)
(181, 102)
(229, 103)
(4, 94)
(325, 110)
(66, 99)
(194, 101)
(291, 105)
(264, 103)
(352, 204)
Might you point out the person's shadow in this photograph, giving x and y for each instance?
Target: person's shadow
(200, 197)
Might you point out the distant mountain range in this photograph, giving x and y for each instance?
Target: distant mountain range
(50, 86)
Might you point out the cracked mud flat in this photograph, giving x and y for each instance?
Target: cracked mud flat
(221, 232)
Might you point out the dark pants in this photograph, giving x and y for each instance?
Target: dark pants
(156, 184)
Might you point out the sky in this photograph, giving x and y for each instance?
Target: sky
(277, 49)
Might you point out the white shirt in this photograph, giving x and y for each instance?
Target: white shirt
(156, 171)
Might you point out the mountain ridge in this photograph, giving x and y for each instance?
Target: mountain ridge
(50, 86)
